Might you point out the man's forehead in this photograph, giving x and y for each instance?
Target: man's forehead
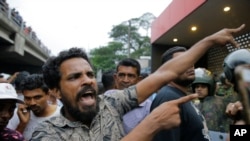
(34, 92)
(127, 69)
(74, 64)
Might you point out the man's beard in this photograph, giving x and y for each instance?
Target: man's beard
(89, 112)
(184, 82)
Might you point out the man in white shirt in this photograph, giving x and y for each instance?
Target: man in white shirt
(36, 108)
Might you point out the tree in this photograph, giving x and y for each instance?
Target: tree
(128, 33)
(144, 50)
(128, 41)
(105, 57)
(146, 21)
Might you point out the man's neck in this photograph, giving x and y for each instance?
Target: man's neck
(48, 111)
(182, 88)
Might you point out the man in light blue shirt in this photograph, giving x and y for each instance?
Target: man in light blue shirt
(128, 74)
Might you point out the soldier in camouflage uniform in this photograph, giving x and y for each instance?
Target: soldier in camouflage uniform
(212, 106)
(213, 109)
(224, 87)
(226, 90)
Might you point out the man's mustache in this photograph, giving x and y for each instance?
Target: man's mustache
(84, 90)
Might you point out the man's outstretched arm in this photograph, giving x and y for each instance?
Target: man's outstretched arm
(176, 66)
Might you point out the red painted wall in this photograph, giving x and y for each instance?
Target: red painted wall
(174, 13)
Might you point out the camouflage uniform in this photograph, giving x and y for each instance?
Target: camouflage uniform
(213, 109)
(214, 105)
(224, 91)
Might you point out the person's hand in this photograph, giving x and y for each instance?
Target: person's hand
(15, 74)
(23, 113)
(239, 122)
(167, 115)
(233, 108)
(225, 36)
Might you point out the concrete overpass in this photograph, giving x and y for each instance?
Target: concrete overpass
(18, 50)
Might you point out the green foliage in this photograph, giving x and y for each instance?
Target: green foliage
(145, 21)
(128, 41)
(120, 32)
(128, 33)
(105, 57)
(144, 48)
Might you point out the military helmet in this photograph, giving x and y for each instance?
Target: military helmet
(238, 57)
(204, 76)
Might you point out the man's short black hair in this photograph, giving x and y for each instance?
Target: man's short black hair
(167, 55)
(51, 68)
(130, 62)
(19, 78)
(108, 79)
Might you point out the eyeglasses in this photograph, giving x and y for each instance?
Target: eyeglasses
(124, 75)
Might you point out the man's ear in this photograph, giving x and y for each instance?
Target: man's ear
(115, 76)
(56, 93)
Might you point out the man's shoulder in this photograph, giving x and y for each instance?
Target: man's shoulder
(55, 120)
(165, 94)
(56, 110)
(117, 92)
(55, 126)
(121, 101)
(49, 126)
(110, 92)
(45, 128)
(120, 95)
(168, 92)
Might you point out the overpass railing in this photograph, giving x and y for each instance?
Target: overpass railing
(14, 16)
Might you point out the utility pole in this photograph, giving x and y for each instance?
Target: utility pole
(129, 37)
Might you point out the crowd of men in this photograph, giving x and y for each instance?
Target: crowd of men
(64, 103)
